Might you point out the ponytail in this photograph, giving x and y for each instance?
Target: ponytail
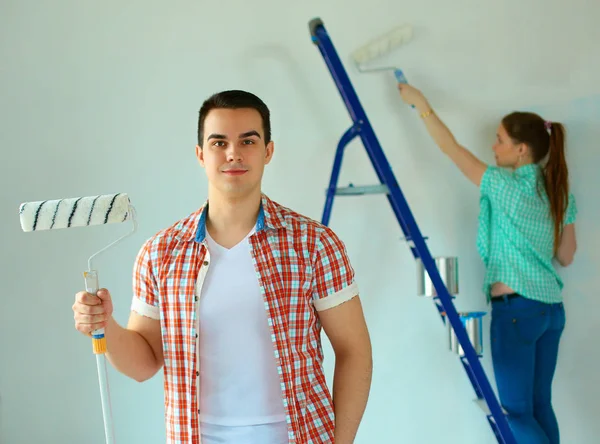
(546, 140)
(556, 178)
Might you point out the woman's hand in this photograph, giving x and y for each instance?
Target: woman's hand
(412, 96)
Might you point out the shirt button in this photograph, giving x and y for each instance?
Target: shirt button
(195, 298)
(205, 262)
(197, 373)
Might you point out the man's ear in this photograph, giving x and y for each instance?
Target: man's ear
(200, 155)
(269, 150)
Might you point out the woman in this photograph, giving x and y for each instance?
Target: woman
(526, 221)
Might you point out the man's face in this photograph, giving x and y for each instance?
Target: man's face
(233, 151)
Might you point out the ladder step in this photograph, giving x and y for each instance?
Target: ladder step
(482, 403)
(351, 190)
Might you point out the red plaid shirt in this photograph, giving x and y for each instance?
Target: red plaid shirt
(303, 268)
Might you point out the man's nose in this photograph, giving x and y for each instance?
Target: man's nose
(234, 153)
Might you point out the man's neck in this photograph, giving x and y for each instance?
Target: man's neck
(228, 219)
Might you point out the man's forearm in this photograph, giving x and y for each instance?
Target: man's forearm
(351, 386)
(129, 352)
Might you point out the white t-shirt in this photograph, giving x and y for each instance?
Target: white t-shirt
(240, 390)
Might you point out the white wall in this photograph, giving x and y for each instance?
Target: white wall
(101, 97)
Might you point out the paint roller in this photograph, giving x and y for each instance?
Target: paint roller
(85, 212)
(380, 46)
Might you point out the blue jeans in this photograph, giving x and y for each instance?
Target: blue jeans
(524, 342)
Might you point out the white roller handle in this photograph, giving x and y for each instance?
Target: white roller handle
(99, 343)
(91, 286)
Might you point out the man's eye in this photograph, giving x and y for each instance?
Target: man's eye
(248, 142)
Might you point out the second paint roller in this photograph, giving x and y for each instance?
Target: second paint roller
(85, 212)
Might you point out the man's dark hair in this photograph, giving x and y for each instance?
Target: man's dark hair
(234, 99)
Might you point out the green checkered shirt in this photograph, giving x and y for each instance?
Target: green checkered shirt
(516, 233)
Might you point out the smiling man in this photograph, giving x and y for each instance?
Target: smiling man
(231, 300)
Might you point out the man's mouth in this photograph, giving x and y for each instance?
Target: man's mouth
(235, 172)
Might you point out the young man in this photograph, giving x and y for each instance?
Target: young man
(231, 301)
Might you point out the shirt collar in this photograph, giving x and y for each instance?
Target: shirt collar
(529, 170)
(269, 217)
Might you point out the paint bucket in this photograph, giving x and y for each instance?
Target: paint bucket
(447, 268)
(472, 321)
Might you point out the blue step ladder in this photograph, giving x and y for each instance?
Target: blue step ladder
(362, 128)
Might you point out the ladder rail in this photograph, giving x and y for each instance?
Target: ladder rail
(346, 138)
(358, 116)
(400, 207)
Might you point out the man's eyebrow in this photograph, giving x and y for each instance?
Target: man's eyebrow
(241, 136)
(249, 133)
